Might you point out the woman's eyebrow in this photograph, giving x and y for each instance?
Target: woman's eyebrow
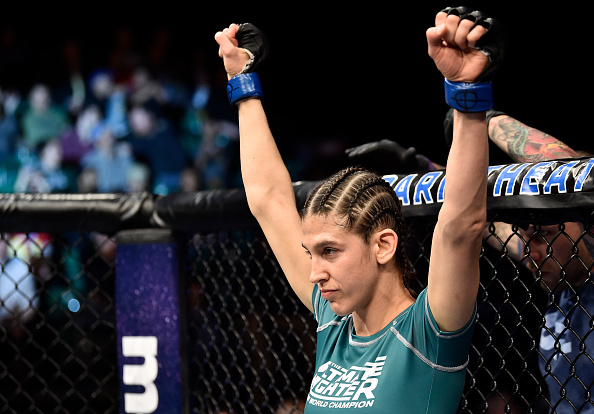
(321, 244)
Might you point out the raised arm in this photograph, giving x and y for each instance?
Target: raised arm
(267, 183)
(454, 265)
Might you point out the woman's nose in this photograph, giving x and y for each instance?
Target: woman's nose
(317, 272)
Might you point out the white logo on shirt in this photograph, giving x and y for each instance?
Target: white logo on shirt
(336, 387)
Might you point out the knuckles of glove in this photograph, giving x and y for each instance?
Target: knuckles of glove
(492, 43)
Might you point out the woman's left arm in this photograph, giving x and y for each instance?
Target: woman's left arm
(454, 265)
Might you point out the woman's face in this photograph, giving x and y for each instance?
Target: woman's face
(342, 265)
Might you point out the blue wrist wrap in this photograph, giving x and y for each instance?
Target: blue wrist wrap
(244, 86)
(469, 97)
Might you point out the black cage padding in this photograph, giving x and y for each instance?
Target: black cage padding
(210, 209)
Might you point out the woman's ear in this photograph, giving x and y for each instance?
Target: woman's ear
(385, 242)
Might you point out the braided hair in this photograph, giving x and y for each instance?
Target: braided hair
(363, 202)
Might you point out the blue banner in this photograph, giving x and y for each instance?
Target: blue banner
(541, 185)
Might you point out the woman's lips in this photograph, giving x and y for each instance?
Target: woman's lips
(327, 293)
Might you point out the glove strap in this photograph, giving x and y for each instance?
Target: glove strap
(469, 97)
(249, 63)
(244, 86)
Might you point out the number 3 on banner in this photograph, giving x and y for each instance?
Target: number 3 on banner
(144, 375)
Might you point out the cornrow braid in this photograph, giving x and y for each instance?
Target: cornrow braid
(369, 182)
(334, 181)
(379, 214)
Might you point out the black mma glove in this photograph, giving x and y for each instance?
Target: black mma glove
(253, 40)
(492, 43)
(387, 157)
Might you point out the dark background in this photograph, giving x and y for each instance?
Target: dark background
(343, 75)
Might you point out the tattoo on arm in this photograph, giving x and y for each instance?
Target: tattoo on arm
(526, 144)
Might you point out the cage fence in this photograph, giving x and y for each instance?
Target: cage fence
(249, 344)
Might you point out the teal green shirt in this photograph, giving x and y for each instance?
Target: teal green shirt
(409, 367)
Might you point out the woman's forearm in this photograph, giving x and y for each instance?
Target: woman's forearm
(264, 174)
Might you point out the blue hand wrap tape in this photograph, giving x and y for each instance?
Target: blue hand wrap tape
(469, 97)
(244, 86)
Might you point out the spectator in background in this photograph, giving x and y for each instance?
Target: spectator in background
(110, 159)
(190, 180)
(110, 98)
(42, 120)
(138, 179)
(9, 127)
(196, 112)
(18, 291)
(155, 142)
(214, 155)
(76, 141)
(165, 93)
(86, 181)
(44, 173)
(100, 88)
(144, 89)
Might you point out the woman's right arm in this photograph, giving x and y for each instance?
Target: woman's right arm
(270, 195)
(267, 183)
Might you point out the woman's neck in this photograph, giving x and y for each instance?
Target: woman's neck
(382, 309)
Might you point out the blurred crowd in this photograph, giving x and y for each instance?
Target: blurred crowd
(125, 111)
(128, 122)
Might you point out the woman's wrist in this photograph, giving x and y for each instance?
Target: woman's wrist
(244, 86)
(468, 97)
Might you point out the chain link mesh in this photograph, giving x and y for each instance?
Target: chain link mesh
(251, 344)
(57, 338)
